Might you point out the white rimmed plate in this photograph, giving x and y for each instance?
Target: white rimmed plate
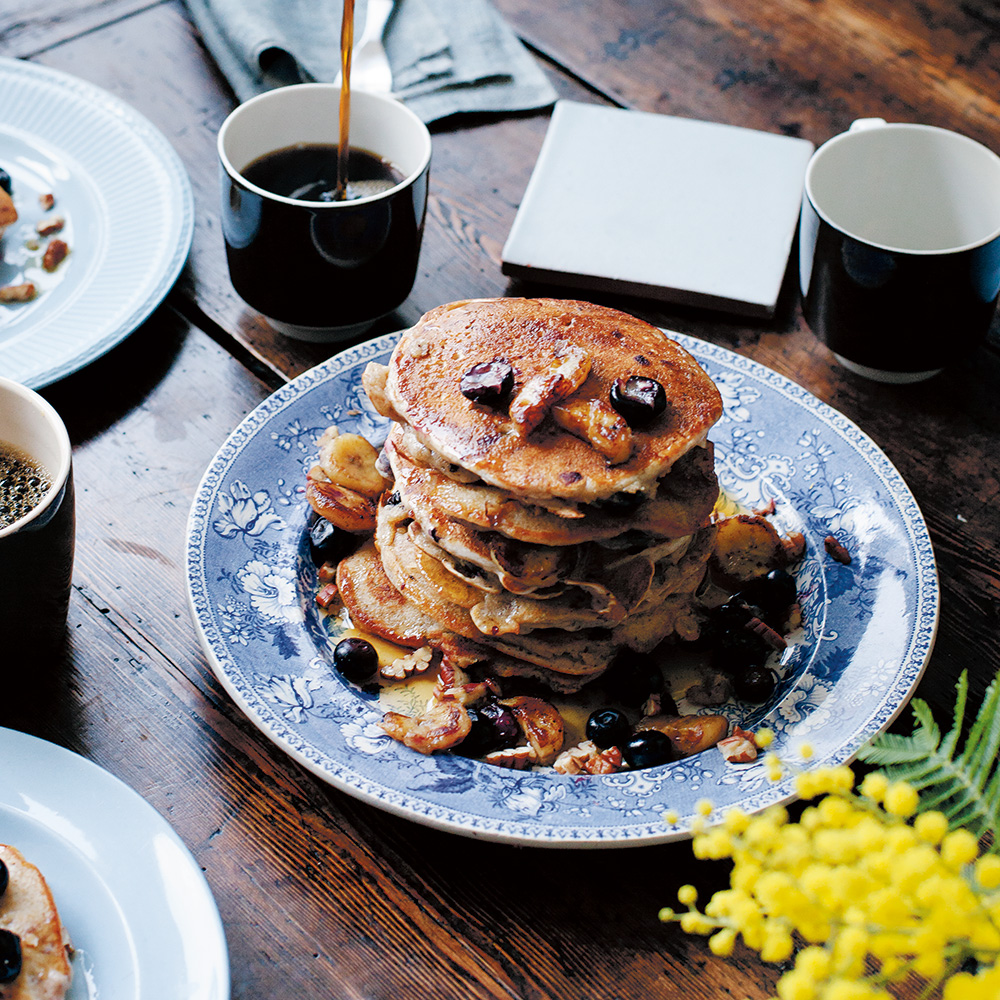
(869, 626)
(140, 914)
(129, 216)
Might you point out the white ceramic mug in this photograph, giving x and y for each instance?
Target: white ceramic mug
(899, 247)
(36, 551)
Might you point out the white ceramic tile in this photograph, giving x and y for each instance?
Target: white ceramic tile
(669, 208)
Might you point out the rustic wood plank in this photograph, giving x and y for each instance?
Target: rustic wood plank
(30, 26)
(805, 69)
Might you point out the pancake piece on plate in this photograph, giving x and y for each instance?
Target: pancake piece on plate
(28, 911)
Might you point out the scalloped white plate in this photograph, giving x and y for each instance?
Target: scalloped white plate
(869, 627)
(136, 905)
(129, 211)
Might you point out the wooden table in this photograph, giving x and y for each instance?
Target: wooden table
(321, 895)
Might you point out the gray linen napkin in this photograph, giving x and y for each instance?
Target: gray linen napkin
(447, 56)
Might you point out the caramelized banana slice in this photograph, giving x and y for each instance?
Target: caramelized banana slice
(597, 423)
(349, 461)
(689, 734)
(442, 725)
(747, 546)
(341, 507)
(541, 724)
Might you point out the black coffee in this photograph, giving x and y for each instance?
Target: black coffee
(308, 172)
(23, 484)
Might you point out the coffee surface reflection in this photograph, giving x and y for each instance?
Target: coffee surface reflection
(308, 172)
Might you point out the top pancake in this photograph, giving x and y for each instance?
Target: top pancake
(422, 389)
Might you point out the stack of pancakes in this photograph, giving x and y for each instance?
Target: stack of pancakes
(534, 549)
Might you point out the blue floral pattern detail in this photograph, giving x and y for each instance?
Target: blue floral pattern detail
(867, 634)
(244, 513)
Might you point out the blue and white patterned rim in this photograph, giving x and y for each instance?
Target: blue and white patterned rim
(868, 632)
(121, 183)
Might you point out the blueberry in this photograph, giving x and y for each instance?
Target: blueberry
(632, 677)
(5, 181)
(10, 956)
(774, 594)
(489, 382)
(493, 728)
(639, 400)
(4, 876)
(328, 543)
(730, 618)
(738, 651)
(649, 748)
(756, 684)
(608, 727)
(620, 504)
(734, 646)
(355, 658)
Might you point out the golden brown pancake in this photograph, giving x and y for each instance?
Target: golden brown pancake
(375, 605)
(682, 505)
(411, 447)
(422, 389)
(475, 612)
(566, 640)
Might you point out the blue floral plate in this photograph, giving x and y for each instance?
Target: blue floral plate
(868, 632)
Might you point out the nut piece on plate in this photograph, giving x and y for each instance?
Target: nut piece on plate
(55, 254)
(836, 550)
(23, 292)
(28, 913)
(588, 758)
(538, 395)
(416, 662)
(740, 747)
(50, 225)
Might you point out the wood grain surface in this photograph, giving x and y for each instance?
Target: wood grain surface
(323, 896)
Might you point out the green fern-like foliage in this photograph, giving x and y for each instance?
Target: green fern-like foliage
(961, 782)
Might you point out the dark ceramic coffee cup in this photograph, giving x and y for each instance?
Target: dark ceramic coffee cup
(899, 253)
(36, 551)
(323, 270)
